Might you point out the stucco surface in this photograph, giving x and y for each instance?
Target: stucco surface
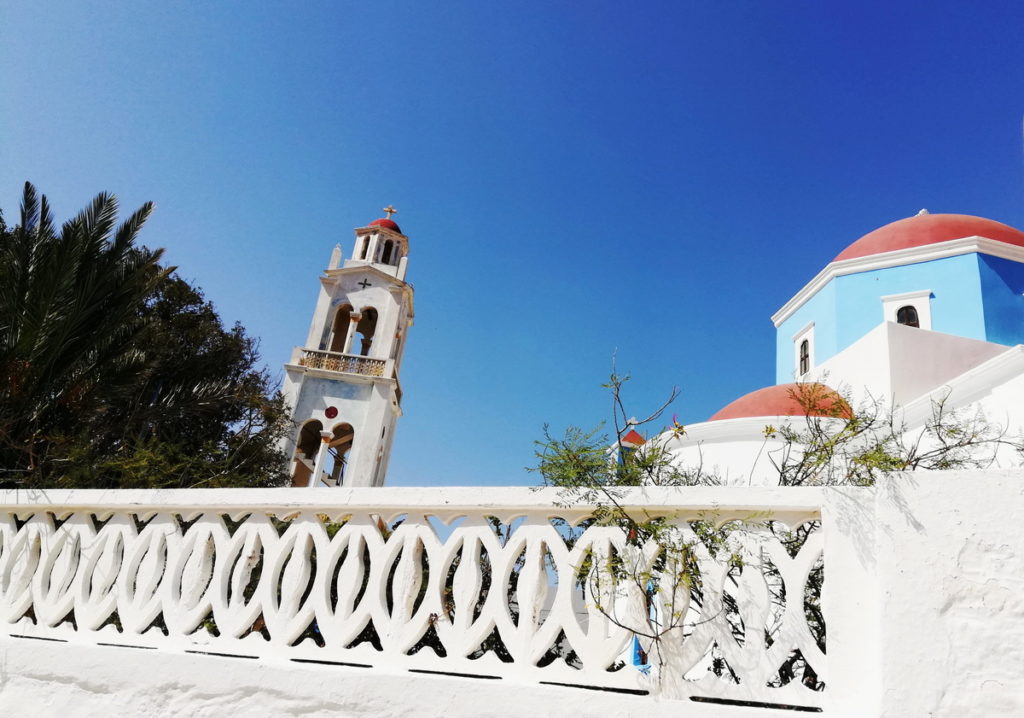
(951, 574)
(44, 679)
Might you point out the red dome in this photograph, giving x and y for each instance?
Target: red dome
(787, 400)
(386, 224)
(925, 229)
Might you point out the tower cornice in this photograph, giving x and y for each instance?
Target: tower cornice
(370, 229)
(369, 269)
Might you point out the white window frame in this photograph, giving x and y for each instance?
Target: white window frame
(921, 301)
(806, 333)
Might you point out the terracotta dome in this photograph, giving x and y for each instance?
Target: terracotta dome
(786, 400)
(925, 229)
(386, 224)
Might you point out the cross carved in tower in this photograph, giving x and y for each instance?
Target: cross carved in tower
(390, 210)
(364, 284)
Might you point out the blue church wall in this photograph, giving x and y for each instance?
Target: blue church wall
(850, 306)
(820, 309)
(1002, 283)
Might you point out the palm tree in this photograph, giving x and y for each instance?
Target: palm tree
(70, 322)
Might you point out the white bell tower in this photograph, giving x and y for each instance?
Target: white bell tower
(343, 384)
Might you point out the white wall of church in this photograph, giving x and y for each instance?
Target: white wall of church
(897, 364)
(346, 290)
(737, 452)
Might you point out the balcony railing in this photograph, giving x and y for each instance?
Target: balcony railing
(347, 363)
(489, 583)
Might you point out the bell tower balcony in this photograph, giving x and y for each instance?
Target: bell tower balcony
(341, 363)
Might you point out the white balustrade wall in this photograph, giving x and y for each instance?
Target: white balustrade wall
(473, 582)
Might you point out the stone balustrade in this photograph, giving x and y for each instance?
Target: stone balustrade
(346, 363)
(496, 601)
(491, 583)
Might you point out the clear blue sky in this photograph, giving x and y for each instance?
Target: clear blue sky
(576, 179)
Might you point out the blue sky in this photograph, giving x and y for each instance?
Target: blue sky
(650, 180)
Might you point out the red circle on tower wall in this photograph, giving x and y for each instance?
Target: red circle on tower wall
(331, 412)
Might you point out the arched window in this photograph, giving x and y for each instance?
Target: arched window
(907, 315)
(805, 357)
(339, 329)
(385, 256)
(306, 447)
(340, 445)
(366, 327)
(365, 249)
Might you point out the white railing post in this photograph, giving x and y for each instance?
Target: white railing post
(321, 458)
(851, 602)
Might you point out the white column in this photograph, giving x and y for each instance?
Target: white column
(353, 322)
(321, 458)
(372, 254)
(365, 448)
(851, 600)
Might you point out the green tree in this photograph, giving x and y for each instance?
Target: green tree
(204, 413)
(115, 372)
(832, 444)
(70, 327)
(835, 443)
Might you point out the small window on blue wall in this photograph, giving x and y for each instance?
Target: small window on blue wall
(907, 315)
(805, 357)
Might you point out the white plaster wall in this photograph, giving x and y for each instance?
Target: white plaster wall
(861, 369)
(951, 578)
(366, 406)
(317, 334)
(923, 360)
(735, 462)
(736, 451)
(346, 290)
(896, 363)
(45, 679)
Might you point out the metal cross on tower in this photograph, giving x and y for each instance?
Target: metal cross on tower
(390, 210)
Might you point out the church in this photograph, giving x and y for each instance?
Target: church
(342, 385)
(925, 311)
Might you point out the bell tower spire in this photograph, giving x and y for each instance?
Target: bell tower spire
(343, 386)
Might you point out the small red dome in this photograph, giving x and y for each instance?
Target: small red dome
(924, 229)
(787, 400)
(386, 224)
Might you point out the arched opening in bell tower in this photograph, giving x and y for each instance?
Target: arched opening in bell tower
(339, 330)
(306, 448)
(341, 443)
(389, 248)
(366, 327)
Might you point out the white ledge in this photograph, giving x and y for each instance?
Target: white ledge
(474, 499)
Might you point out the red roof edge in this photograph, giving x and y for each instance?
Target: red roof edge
(633, 438)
